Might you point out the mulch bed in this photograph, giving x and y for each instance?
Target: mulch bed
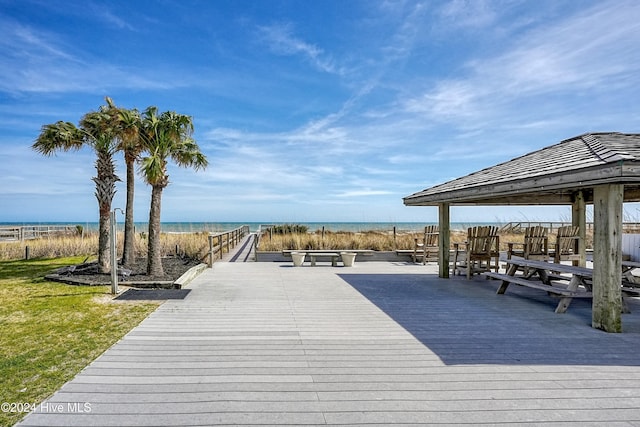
(87, 274)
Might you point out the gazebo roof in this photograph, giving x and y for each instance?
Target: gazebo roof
(549, 176)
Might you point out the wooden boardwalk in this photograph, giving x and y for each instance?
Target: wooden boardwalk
(377, 344)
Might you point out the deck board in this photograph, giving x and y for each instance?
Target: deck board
(380, 343)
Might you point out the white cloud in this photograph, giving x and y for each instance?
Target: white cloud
(282, 41)
(103, 13)
(468, 13)
(35, 60)
(575, 54)
(363, 193)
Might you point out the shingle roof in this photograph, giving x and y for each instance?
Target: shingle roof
(551, 174)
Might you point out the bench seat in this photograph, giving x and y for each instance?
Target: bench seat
(315, 255)
(565, 295)
(536, 284)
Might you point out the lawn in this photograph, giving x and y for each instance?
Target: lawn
(51, 331)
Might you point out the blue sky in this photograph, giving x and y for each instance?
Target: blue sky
(312, 110)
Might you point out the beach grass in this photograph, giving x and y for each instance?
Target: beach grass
(374, 240)
(51, 331)
(194, 245)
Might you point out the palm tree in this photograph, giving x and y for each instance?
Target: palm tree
(131, 144)
(97, 130)
(165, 136)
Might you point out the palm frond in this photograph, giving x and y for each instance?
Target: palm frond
(58, 136)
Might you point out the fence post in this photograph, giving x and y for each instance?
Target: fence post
(255, 245)
(210, 251)
(26, 252)
(395, 245)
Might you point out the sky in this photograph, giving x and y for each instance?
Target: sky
(312, 110)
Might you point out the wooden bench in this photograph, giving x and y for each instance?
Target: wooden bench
(565, 295)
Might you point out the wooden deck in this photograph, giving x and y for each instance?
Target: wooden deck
(379, 343)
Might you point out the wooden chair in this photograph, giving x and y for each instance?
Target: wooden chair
(535, 245)
(427, 247)
(482, 246)
(566, 246)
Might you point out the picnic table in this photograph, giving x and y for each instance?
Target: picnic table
(627, 273)
(552, 278)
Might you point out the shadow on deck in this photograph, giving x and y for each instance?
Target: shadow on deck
(465, 322)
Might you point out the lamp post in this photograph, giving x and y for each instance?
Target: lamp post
(114, 254)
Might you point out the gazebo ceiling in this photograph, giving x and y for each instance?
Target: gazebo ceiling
(549, 176)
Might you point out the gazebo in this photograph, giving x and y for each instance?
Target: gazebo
(602, 169)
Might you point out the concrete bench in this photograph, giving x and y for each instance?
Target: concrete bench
(315, 255)
(334, 254)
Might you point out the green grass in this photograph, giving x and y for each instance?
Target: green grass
(50, 331)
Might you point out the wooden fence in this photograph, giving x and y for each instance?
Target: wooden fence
(219, 243)
(30, 232)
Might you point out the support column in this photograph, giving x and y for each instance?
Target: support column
(607, 257)
(579, 218)
(444, 240)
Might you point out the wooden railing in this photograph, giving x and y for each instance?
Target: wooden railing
(219, 243)
(30, 232)
(554, 225)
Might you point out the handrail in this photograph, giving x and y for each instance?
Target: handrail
(219, 243)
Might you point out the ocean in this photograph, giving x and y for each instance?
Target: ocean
(184, 227)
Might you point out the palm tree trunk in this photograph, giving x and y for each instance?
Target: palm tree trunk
(105, 190)
(104, 231)
(154, 255)
(128, 255)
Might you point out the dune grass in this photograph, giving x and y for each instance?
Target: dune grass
(195, 245)
(375, 240)
(50, 331)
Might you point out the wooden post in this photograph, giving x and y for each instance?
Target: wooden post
(444, 240)
(579, 218)
(395, 246)
(26, 252)
(607, 257)
(256, 238)
(210, 251)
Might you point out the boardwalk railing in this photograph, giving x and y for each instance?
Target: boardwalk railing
(219, 243)
(554, 225)
(30, 232)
